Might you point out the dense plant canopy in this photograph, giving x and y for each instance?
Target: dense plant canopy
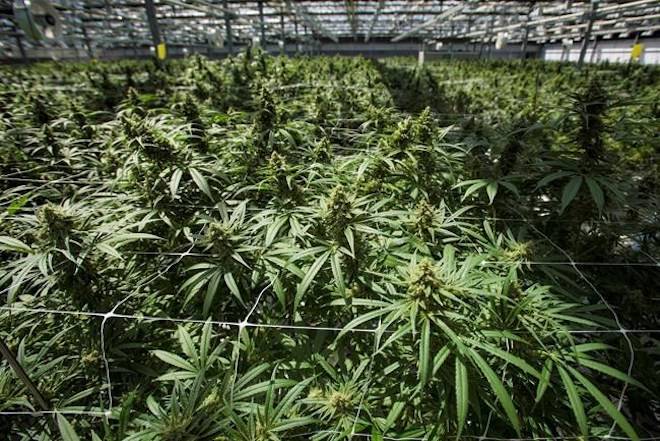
(264, 248)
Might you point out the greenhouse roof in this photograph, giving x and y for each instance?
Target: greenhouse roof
(125, 23)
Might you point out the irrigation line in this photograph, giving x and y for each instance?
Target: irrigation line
(654, 264)
(553, 263)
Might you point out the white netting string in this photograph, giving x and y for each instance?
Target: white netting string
(448, 217)
(245, 323)
(148, 318)
(377, 335)
(112, 313)
(485, 262)
(622, 330)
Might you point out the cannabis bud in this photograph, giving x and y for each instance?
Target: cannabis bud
(422, 282)
(322, 150)
(424, 217)
(315, 394)
(55, 223)
(340, 402)
(218, 235)
(421, 130)
(401, 137)
(519, 251)
(277, 165)
(337, 212)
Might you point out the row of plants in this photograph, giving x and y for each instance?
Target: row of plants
(269, 248)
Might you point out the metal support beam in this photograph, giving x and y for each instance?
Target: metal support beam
(587, 33)
(88, 42)
(405, 15)
(350, 14)
(523, 47)
(262, 26)
(282, 41)
(21, 48)
(446, 14)
(230, 36)
(594, 48)
(153, 23)
(22, 375)
(379, 8)
(451, 41)
(306, 47)
(489, 49)
(19, 43)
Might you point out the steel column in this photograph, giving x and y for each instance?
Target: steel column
(587, 33)
(374, 20)
(593, 49)
(282, 38)
(153, 23)
(88, 42)
(262, 26)
(523, 47)
(230, 37)
(21, 48)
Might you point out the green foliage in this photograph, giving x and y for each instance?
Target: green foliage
(314, 248)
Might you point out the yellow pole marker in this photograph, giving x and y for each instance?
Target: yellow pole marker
(636, 52)
(161, 51)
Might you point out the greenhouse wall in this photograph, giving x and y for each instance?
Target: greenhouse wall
(607, 50)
